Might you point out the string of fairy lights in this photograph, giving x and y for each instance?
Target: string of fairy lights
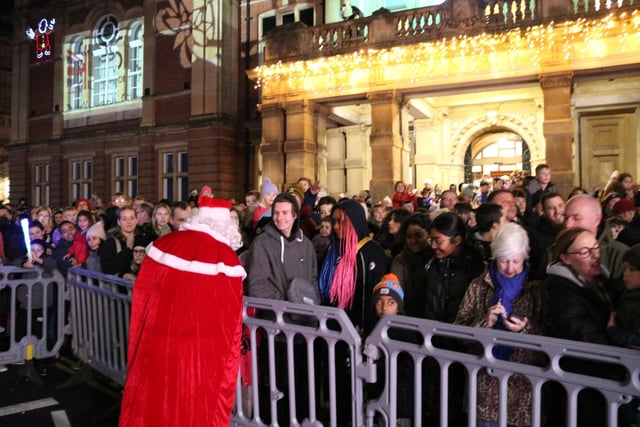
(557, 44)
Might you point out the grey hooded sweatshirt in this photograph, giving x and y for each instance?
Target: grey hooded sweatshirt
(275, 260)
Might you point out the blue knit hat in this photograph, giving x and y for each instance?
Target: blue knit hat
(390, 285)
(268, 187)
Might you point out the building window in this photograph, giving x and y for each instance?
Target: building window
(293, 13)
(81, 179)
(104, 73)
(76, 73)
(104, 66)
(175, 180)
(134, 84)
(126, 175)
(41, 184)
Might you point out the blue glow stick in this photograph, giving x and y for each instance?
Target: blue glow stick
(24, 223)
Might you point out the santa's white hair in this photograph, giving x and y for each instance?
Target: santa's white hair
(217, 223)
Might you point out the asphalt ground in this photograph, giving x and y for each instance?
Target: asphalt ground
(71, 394)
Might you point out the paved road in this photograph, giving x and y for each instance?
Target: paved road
(23, 403)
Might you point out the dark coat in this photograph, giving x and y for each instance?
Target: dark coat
(446, 283)
(409, 268)
(575, 312)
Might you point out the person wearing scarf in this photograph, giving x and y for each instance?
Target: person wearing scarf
(503, 298)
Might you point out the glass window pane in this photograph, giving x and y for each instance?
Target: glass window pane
(133, 188)
(119, 166)
(184, 162)
(76, 170)
(168, 163)
(88, 169)
(133, 166)
(184, 188)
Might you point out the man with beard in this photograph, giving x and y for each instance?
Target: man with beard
(544, 233)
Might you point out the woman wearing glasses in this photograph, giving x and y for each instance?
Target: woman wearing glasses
(579, 308)
(447, 275)
(579, 304)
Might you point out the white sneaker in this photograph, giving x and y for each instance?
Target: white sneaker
(3, 368)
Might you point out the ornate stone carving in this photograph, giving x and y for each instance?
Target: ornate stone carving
(549, 81)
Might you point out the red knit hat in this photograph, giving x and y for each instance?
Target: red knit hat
(622, 206)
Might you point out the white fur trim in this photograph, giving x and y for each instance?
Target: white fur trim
(204, 228)
(192, 266)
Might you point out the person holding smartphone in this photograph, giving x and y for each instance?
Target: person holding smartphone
(502, 297)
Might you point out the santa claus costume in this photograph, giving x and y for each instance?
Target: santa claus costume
(186, 318)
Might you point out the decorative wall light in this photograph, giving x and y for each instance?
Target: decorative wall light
(41, 36)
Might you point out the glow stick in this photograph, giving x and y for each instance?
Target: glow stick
(24, 223)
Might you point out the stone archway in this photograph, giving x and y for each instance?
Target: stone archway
(525, 125)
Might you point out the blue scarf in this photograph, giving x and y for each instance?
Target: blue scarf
(506, 290)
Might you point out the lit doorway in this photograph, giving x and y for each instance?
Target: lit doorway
(496, 154)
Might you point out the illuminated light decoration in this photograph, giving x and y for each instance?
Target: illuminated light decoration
(194, 30)
(41, 36)
(555, 47)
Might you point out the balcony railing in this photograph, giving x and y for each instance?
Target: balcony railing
(452, 18)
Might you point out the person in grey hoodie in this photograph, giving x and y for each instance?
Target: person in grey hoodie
(281, 254)
(282, 260)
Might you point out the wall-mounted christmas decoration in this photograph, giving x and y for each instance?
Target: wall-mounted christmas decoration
(41, 36)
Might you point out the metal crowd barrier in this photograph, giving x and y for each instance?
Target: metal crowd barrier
(32, 310)
(100, 311)
(290, 341)
(575, 366)
(307, 365)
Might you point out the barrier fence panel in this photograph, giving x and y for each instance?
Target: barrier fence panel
(100, 311)
(32, 311)
(306, 365)
(302, 366)
(568, 380)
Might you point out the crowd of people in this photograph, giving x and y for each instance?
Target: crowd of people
(509, 254)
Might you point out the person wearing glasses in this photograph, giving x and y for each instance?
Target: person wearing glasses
(586, 212)
(447, 276)
(579, 303)
(579, 306)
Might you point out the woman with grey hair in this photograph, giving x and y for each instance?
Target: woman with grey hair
(503, 298)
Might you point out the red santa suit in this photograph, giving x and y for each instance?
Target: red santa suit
(184, 336)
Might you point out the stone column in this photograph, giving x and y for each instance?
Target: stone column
(357, 159)
(428, 133)
(320, 174)
(300, 146)
(272, 145)
(386, 142)
(336, 156)
(558, 128)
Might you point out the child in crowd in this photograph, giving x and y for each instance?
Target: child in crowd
(95, 236)
(388, 299)
(79, 249)
(616, 225)
(41, 302)
(139, 253)
(323, 238)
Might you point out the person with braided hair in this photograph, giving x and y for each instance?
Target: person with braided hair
(353, 264)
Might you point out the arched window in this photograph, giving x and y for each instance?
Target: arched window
(106, 61)
(76, 73)
(134, 71)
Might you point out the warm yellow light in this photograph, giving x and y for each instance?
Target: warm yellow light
(553, 45)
